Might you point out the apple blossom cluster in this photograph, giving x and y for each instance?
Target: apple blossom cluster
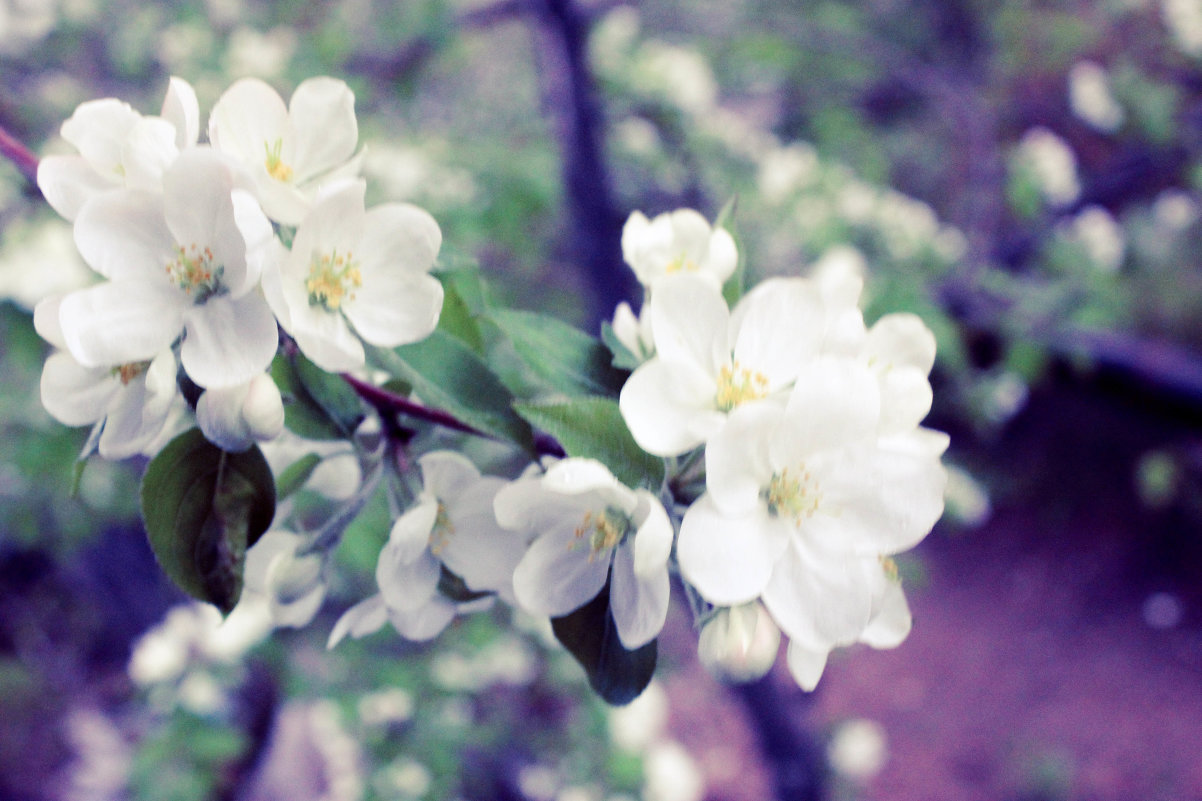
(186, 237)
(769, 453)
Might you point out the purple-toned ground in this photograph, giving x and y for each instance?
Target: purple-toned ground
(1031, 673)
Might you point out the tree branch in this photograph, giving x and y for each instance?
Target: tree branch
(22, 157)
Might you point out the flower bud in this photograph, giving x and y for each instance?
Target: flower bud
(263, 408)
(739, 643)
(233, 418)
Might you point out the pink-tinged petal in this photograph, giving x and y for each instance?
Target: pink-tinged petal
(689, 322)
(822, 600)
(366, 617)
(806, 665)
(638, 600)
(446, 474)
(228, 340)
(67, 182)
(738, 463)
(424, 623)
(120, 322)
(321, 115)
(409, 536)
(729, 559)
(181, 109)
(901, 340)
(406, 585)
(776, 328)
(246, 120)
(98, 129)
(557, 575)
(835, 402)
(122, 234)
(653, 539)
(891, 623)
(76, 395)
(393, 310)
(669, 407)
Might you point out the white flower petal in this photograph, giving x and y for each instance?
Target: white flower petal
(729, 560)
(97, 128)
(247, 118)
(148, 150)
(891, 624)
(822, 600)
(326, 338)
(399, 237)
(73, 394)
(525, 505)
(446, 474)
(67, 182)
(425, 622)
(835, 401)
(653, 539)
(556, 576)
(806, 665)
(638, 601)
(410, 534)
(901, 340)
(182, 110)
(406, 585)
(366, 617)
(689, 321)
(119, 322)
(669, 408)
(776, 328)
(321, 116)
(738, 463)
(392, 310)
(228, 340)
(122, 234)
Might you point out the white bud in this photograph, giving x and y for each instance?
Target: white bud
(739, 643)
(263, 408)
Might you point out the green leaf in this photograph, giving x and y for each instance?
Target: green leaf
(448, 375)
(734, 287)
(457, 317)
(593, 428)
(565, 358)
(203, 507)
(317, 404)
(589, 634)
(294, 476)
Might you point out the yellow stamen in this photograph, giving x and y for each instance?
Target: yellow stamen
(682, 263)
(793, 496)
(195, 272)
(276, 168)
(603, 531)
(128, 372)
(738, 385)
(332, 279)
(440, 535)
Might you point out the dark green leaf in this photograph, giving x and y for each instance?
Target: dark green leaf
(448, 375)
(589, 634)
(317, 404)
(594, 428)
(454, 588)
(203, 507)
(457, 317)
(565, 358)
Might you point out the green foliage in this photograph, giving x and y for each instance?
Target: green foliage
(566, 359)
(203, 507)
(593, 428)
(317, 404)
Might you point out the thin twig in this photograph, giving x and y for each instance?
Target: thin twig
(20, 155)
(384, 400)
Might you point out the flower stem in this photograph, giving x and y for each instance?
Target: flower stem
(387, 401)
(21, 156)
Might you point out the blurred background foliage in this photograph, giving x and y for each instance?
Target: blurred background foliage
(1023, 175)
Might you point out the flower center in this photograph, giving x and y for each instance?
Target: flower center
(794, 495)
(332, 279)
(128, 372)
(444, 529)
(603, 531)
(682, 264)
(737, 385)
(276, 168)
(195, 272)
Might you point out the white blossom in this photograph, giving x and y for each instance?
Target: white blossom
(739, 643)
(354, 272)
(290, 151)
(590, 528)
(235, 418)
(677, 241)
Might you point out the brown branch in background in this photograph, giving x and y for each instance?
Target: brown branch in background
(386, 401)
(21, 156)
